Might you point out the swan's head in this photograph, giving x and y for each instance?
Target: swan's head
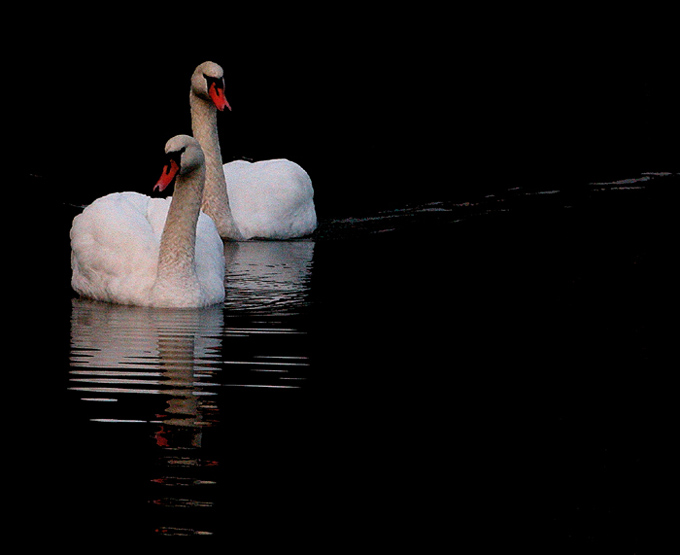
(184, 156)
(207, 82)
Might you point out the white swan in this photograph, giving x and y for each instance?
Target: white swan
(271, 199)
(128, 248)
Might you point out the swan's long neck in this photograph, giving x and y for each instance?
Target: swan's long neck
(176, 257)
(215, 199)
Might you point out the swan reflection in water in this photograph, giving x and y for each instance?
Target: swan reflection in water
(155, 367)
(268, 276)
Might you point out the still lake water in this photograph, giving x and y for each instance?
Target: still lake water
(492, 369)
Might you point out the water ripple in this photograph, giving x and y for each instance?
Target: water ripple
(162, 371)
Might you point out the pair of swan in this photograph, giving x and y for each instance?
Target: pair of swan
(129, 248)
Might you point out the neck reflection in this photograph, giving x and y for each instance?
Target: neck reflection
(155, 367)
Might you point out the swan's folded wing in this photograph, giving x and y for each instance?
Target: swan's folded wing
(271, 198)
(210, 265)
(115, 249)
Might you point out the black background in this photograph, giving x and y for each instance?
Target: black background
(381, 106)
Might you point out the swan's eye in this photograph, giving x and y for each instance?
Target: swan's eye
(214, 81)
(177, 155)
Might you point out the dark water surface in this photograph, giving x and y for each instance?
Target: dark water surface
(492, 370)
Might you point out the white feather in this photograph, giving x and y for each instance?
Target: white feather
(270, 198)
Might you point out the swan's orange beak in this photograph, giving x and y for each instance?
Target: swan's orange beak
(168, 176)
(217, 95)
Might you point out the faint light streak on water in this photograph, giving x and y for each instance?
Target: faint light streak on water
(181, 532)
(127, 390)
(263, 386)
(267, 331)
(182, 503)
(261, 363)
(115, 373)
(543, 193)
(118, 421)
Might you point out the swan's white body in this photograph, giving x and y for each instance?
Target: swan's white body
(128, 248)
(272, 199)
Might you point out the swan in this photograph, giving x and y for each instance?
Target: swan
(271, 199)
(128, 248)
